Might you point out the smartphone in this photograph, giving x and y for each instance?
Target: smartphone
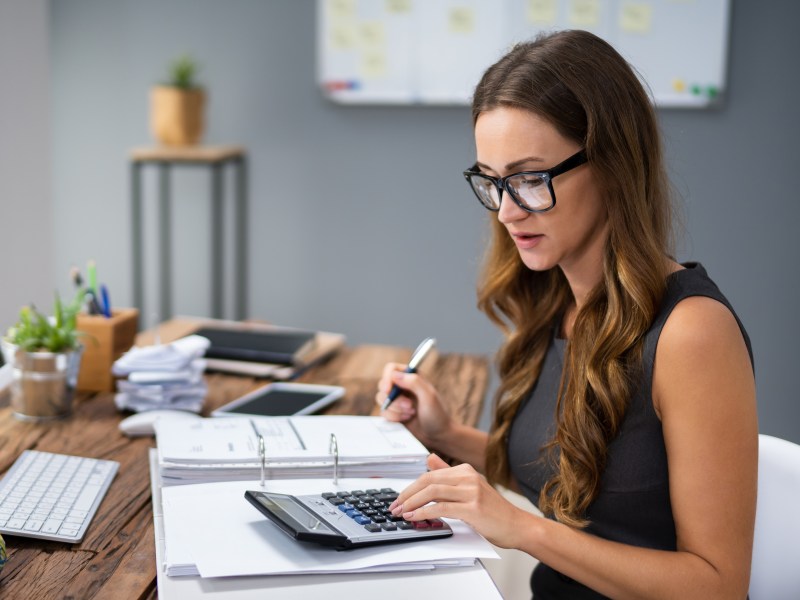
(282, 399)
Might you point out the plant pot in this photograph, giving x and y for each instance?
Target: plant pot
(177, 116)
(43, 384)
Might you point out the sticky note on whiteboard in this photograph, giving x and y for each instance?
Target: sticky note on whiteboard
(398, 6)
(461, 20)
(373, 64)
(542, 12)
(371, 35)
(584, 13)
(636, 17)
(342, 9)
(343, 36)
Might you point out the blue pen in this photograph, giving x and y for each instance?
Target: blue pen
(416, 359)
(106, 301)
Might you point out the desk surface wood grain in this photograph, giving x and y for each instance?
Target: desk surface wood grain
(117, 557)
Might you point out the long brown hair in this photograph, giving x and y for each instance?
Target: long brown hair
(581, 85)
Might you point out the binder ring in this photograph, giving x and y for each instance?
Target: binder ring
(333, 448)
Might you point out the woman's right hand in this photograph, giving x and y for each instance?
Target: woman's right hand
(418, 405)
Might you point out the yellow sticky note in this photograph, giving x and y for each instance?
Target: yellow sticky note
(371, 34)
(542, 12)
(461, 19)
(342, 9)
(584, 13)
(398, 6)
(636, 17)
(343, 36)
(373, 64)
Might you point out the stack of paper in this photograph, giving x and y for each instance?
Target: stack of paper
(212, 531)
(296, 447)
(168, 376)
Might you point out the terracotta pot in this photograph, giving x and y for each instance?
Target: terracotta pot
(177, 116)
(43, 383)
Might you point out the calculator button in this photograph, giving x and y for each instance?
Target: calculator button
(350, 499)
(358, 493)
(336, 501)
(421, 525)
(386, 497)
(370, 512)
(362, 506)
(352, 513)
(343, 494)
(372, 491)
(345, 507)
(328, 495)
(388, 526)
(379, 519)
(436, 523)
(362, 520)
(372, 527)
(367, 498)
(404, 525)
(394, 519)
(387, 491)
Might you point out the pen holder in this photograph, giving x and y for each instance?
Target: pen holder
(104, 341)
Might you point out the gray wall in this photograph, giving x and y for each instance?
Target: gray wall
(25, 198)
(340, 238)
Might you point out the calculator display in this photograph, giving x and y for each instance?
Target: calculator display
(285, 506)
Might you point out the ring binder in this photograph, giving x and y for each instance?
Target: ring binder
(334, 449)
(262, 451)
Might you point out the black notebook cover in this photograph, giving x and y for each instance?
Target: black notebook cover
(278, 347)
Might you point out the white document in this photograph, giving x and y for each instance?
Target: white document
(212, 527)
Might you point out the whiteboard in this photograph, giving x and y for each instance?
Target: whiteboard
(434, 51)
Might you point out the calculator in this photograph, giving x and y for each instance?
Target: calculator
(344, 520)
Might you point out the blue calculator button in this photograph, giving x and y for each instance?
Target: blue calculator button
(345, 507)
(353, 513)
(362, 520)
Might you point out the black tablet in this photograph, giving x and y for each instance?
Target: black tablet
(282, 399)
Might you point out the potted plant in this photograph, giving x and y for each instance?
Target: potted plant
(177, 107)
(44, 354)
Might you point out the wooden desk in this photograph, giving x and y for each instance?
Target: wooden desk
(116, 559)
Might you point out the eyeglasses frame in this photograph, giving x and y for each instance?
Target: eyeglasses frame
(501, 183)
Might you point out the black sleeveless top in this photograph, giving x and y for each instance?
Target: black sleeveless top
(633, 506)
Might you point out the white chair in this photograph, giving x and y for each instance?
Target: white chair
(775, 572)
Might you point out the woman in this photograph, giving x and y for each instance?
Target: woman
(626, 408)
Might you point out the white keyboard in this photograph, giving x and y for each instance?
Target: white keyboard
(53, 496)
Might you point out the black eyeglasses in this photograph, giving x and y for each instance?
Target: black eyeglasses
(532, 191)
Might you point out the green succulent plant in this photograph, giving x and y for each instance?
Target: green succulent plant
(36, 332)
(183, 73)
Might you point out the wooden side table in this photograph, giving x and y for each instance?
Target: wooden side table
(215, 158)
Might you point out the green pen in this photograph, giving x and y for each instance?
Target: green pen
(91, 271)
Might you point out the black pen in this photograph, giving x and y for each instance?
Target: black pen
(416, 359)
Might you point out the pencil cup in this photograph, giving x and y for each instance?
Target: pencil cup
(104, 341)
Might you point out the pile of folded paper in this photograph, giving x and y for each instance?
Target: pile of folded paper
(163, 376)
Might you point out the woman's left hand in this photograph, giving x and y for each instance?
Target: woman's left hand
(461, 493)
